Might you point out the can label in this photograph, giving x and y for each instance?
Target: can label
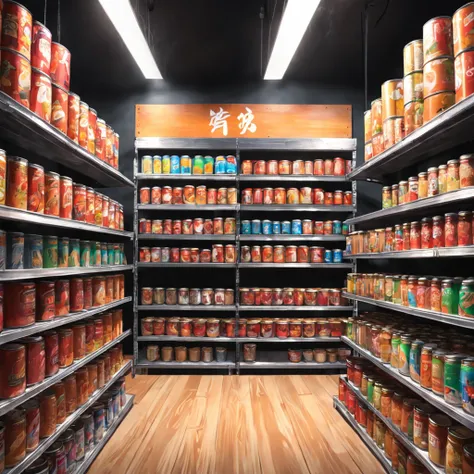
(467, 386)
(404, 358)
(452, 382)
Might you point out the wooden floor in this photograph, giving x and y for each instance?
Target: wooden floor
(229, 424)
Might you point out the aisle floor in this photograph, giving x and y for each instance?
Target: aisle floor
(230, 424)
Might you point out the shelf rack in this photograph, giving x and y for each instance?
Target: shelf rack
(441, 252)
(238, 147)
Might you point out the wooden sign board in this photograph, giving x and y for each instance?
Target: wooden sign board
(243, 121)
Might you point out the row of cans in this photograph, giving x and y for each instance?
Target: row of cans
(305, 195)
(19, 251)
(190, 194)
(25, 185)
(187, 296)
(174, 164)
(289, 254)
(218, 254)
(319, 167)
(295, 227)
(24, 303)
(26, 426)
(456, 174)
(196, 226)
(183, 354)
(450, 230)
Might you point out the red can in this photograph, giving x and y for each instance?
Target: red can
(145, 195)
(218, 253)
(338, 198)
(32, 413)
(316, 254)
(246, 167)
(272, 167)
(65, 197)
(90, 336)
(211, 196)
(77, 295)
(279, 254)
(303, 254)
(318, 196)
(259, 167)
(35, 359)
(426, 233)
(60, 392)
(82, 386)
(105, 211)
(91, 130)
(247, 196)
(66, 347)
(339, 166)
(51, 345)
(464, 77)
(98, 291)
(79, 341)
(177, 227)
(73, 117)
(109, 144)
(282, 328)
(41, 94)
(52, 193)
(291, 254)
(60, 65)
(280, 196)
(438, 231)
(90, 205)
(257, 196)
(328, 167)
(83, 124)
(15, 437)
(155, 195)
(16, 74)
(35, 188)
(62, 297)
(464, 228)
(13, 373)
(115, 164)
(70, 388)
(268, 196)
(20, 304)
(267, 254)
(100, 138)
(437, 38)
(98, 217)
(87, 293)
(45, 309)
(450, 230)
(177, 196)
(318, 167)
(17, 28)
(60, 108)
(348, 198)
(256, 254)
(79, 202)
(415, 235)
(17, 182)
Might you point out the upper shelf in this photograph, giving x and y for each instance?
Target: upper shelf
(27, 130)
(448, 129)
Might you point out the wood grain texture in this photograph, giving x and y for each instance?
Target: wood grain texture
(271, 121)
(227, 424)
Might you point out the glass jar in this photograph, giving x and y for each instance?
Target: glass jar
(458, 436)
(397, 290)
(435, 295)
(423, 288)
(421, 417)
(442, 178)
(426, 365)
(406, 424)
(426, 233)
(412, 290)
(448, 302)
(415, 235)
(385, 344)
(395, 343)
(422, 185)
(375, 343)
(388, 286)
(450, 229)
(396, 407)
(452, 177)
(438, 231)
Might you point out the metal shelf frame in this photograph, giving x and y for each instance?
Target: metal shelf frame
(189, 237)
(146, 145)
(186, 265)
(440, 252)
(313, 340)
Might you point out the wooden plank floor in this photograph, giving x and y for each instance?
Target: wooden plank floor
(227, 424)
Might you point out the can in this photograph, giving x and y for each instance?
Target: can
(377, 144)
(437, 38)
(220, 165)
(208, 165)
(464, 79)
(99, 422)
(65, 197)
(60, 65)
(91, 130)
(50, 252)
(45, 309)
(52, 194)
(285, 227)
(83, 124)
(41, 94)
(328, 256)
(76, 295)
(19, 304)
(3, 175)
(465, 296)
(156, 168)
(413, 57)
(109, 144)
(73, 117)
(452, 379)
(367, 132)
(413, 87)
(438, 76)
(337, 256)
(79, 202)
(51, 345)
(74, 259)
(85, 253)
(17, 182)
(15, 250)
(437, 103)
(41, 48)
(413, 116)
(66, 347)
(174, 164)
(16, 73)
(15, 437)
(98, 202)
(60, 108)
(98, 291)
(393, 131)
(392, 98)
(35, 359)
(462, 28)
(166, 164)
(467, 384)
(32, 414)
(69, 446)
(100, 138)
(13, 374)
(90, 205)
(61, 290)
(33, 255)
(78, 429)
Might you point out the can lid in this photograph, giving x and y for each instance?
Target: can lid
(453, 162)
(74, 95)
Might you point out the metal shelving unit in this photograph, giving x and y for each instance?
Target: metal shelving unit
(274, 360)
(186, 265)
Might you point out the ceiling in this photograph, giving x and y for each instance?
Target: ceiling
(220, 41)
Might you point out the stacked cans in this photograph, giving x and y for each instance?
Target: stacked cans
(289, 254)
(190, 194)
(463, 48)
(295, 227)
(196, 226)
(219, 254)
(174, 164)
(413, 85)
(187, 296)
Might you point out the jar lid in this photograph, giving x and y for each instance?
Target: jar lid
(411, 402)
(460, 432)
(466, 157)
(453, 162)
(442, 167)
(422, 174)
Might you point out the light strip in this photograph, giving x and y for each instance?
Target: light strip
(293, 25)
(122, 16)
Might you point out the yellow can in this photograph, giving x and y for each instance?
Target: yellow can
(392, 98)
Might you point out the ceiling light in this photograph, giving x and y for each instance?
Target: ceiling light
(295, 21)
(122, 16)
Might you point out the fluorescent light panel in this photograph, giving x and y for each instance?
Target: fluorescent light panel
(293, 25)
(123, 17)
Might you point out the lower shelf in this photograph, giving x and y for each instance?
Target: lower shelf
(279, 360)
(368, 441)
(145, 364)
(91, 455)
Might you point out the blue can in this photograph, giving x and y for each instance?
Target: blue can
(256, 226)
(110, 254)
(175, 164)
(103, 254)
(345, 229)
(337, 256)
(99, 421)
(230, 164)
(63, 252)
(33, 251)
(276, 227)
(88, 421)
(348, 245)
(108, 402)
(245, 227)
(185, 164)
(15, 250)
(220, 165)
(336, 227)
(116, 402)
(286, 227)
(296, 227)
(267, 227)
(328, 256)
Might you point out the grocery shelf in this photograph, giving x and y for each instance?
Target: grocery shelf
(186, 177)
(429, 204)
(193, 265)
(455, 320)
(448, 129)
(307, 178)
(8, 335)
(12, 275)
(296, 208)
(313, 340)
(363, 435)
(184, 339)
(421, 455)
(454, 412)
(8, 404)
(441, 252)
(295, 308)
(145, 364)
(155, 143)
(187, 207)
(28, 131)
(279, 360)
(291, 238)
(19, 215)
(182, 307)
(298, 144)
(295, 265)
(60, 429)
(216, 237)
(89, 458)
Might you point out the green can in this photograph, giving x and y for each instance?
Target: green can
(95, 254)
(349, 324)
(117, 258)
(415, 360)
(198, 165)
(447, 297)
(110, 254)
(457, 283)
(103, 254)
(74, 253)
(452, 378)
(85, 253)
(404, 354)
(50, 251)
(208, 165)
(370, 390)
(63, 252)
(437, 372)
(466, 298)
(467, 384)
(395, 342)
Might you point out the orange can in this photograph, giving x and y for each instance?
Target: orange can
(90, 335)
(393, 131)
(3, 177)
(70, 387)
(17, 182)
(16, 74)
(109, 289)
(90, 205)
(61, 292)
(41, 94)
(77, 295)
(438, 76)
(15, 437)
(60, 65)
(279, 196)
(91, 130)
(437, 103)
(413, 87)
(83, 124)
(79, 202)
(318, 165)
(413, 57)
(92, 376)
(115, 164)
(40, 47)
(463, 23)
(377, 144)
(65, 197)
(368, 154)
(60, 108)
(413, 117)
(82, 386)
(117, 324)
(189, 194)
(318, 196)
(79, 341)
(66, 347)
(98, 334)
(73, 117)
(98, 291)
(376, 114)
(463, 70)
(60, 392)
(13, 373)
(17, 28)
(292, 196)
(108, 327)
(367, 125)
(48, 414)
(109, 144)
(437, 38)
(51, 193)
(305, 196)
(392, 98)
(100, 138)
(116, 287)
(98, 217)
(177, 196)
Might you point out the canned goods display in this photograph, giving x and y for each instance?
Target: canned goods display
(189, 195)
(289, 254)
(185, 165)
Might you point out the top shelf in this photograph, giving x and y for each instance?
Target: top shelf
(276, 144)
(448, 129)
(25, 129)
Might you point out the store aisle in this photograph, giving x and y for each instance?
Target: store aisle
(229, 424)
